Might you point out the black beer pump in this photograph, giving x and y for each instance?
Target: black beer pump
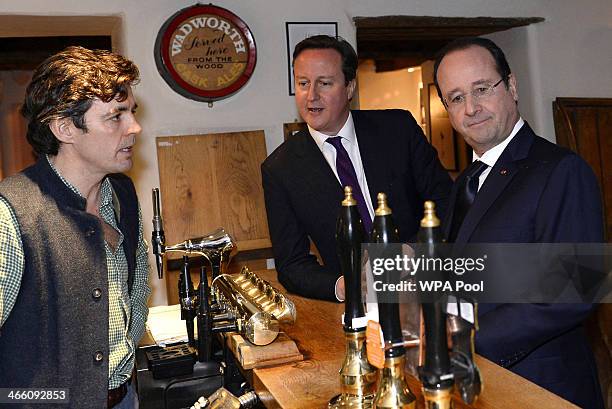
(442, 370)
(357, 376)
(393, 390)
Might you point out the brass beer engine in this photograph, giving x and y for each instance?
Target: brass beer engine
(224, 399)
(393, 392)
(254, 305)
(217, 247)
(243, 303)
(357, 376)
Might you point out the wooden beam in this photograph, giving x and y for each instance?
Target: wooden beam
(51, 26)
(419, 38)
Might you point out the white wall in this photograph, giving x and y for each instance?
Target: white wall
(570, 54)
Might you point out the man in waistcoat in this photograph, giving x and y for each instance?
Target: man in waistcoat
(73, 261)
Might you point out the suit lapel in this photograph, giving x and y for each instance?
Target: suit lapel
(374, 172)
(448, 219)
(320, 178)
(501, 175)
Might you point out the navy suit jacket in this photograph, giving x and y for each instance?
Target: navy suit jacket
(303, 195)
(537, 192)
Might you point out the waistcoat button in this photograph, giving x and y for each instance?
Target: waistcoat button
(98, 356)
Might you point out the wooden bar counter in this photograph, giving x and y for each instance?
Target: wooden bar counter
(312, 382)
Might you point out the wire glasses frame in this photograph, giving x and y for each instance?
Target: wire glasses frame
(478, 93)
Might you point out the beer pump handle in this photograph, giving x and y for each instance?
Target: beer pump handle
(385, 234)
(393, 390)
(157, 236)
(350, 234)
(188, 299)
(435, 374)
(205, 320)
(462, 323)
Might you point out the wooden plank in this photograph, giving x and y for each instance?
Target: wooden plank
(17, 154)
(208, 181)
(604, 131)
(587, 139)
(245, 245)
(306, 384)
(48, 26)
(584, 125)
(211, 181)
(283, 350)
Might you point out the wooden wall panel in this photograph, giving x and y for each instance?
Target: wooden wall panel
(211, 181)
(16, 151)
(605, 146)
(585, 126)
(587, 137)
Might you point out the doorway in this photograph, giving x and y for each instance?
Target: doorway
(25, 41)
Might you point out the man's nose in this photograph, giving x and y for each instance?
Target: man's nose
(313, 93)
(472, 105)
(135, 127)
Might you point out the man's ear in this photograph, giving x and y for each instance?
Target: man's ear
(63, 129)
(351, 88)
(512, 87)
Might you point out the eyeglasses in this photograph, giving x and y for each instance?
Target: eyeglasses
(478, 93)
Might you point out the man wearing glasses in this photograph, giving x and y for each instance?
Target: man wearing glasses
(519, 189)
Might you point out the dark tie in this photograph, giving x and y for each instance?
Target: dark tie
(466, 193)
(348, 177)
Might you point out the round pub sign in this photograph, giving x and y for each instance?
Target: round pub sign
(205, 53)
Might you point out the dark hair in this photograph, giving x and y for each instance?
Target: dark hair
(347, 52)
(501, 64)
(65, 85)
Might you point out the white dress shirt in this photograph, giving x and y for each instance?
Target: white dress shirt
(491, 156)
(349, 141)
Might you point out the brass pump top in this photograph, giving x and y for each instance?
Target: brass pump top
(430, 219)
(382, 209)
(349, 200)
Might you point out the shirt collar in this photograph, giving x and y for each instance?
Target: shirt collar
(491, 156)
(347, 132)
(106, 190)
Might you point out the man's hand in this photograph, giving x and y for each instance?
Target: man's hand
(340, 288)
(340, 293)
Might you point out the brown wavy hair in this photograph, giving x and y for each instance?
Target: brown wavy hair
(66, 84)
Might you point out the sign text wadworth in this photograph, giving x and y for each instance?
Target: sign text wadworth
(207, 22)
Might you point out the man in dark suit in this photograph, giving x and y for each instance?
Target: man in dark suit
(527, 190)
(303, 185)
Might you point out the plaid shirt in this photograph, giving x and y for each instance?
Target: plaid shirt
(127, 314)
